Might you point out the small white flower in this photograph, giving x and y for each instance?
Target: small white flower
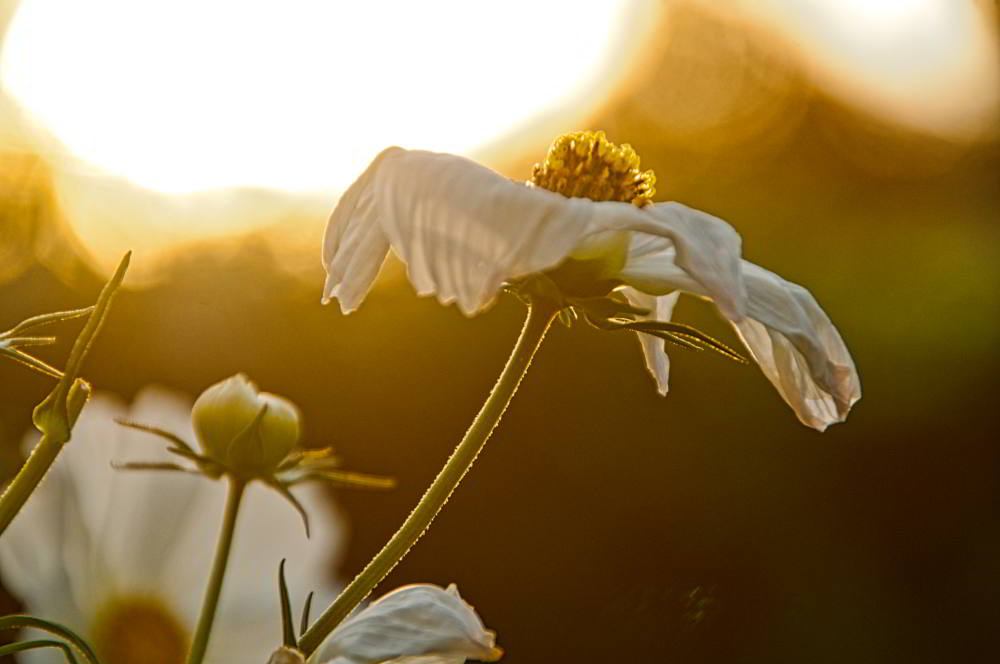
(123, 557)
(464, 231)
(418, 624)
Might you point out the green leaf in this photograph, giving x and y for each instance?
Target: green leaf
(679, 334)
(171, 438)
(22, 646)
(290, 497)
(608, 307)
(30, 361)
(20, 621)
(31, 324)
(346, 478)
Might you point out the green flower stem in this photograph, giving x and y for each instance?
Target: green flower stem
(39, 461)
(540, 316)
(214, 589)
(56, 415)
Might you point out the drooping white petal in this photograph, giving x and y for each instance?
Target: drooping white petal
(418, 624)
(798, 349)
(785, 330)
(463, 230)
(708, 250)
(355, 245)
(654, 350)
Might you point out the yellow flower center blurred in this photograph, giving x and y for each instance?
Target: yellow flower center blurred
(585, 164)
(138, 629)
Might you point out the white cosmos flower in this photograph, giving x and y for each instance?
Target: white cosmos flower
(123, 557)
(464, 230)
(418, 624)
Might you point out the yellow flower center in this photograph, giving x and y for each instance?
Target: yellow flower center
(585, 164)
(138, 629)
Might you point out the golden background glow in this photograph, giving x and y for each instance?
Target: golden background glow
(852, 144)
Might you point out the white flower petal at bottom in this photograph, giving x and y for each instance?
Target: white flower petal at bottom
(418, 624)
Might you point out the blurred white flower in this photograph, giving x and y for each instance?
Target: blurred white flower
(464, 231)
(418, 624)
(123, 557)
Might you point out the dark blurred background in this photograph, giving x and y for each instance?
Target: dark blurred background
(604, 523)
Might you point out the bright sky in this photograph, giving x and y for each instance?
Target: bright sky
(296, 95)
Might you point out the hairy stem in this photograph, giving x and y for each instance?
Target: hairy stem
(214, 589)
(540, 316)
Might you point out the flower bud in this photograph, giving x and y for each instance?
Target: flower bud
(286, 655)
(247, 431)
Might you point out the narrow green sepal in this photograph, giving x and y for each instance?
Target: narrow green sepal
(38, 644)
(288, 637)
(21, 621)
(678, 334)
(306, 608)
(290, 497)
(41, 320)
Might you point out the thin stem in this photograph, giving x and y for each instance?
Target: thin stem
(540, 316)
(57, 413)
(38, 463)
(214, 589)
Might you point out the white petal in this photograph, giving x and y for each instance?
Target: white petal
(355, 246)
(654, 349)
(786, 331)
(708, 250)
(702, 248)
(463, 230)
(421, 624)
(798, 349)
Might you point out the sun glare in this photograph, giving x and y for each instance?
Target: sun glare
(929, 64)
(191, 95)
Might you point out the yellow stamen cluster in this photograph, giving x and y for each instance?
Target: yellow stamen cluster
(585, 164)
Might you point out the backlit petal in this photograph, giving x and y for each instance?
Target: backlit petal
(702, 249)
(463, 230)
(798, 349)
(708, 250)
(785, 330)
